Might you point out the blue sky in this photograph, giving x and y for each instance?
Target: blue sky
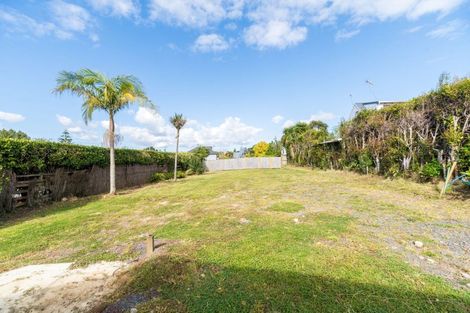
(239, 70)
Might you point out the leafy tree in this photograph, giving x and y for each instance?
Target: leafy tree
(300, 138)
(178, 121)
(103, 93)
(65, 137)
(13, 134)
(201, 151)
(274, 148)
(260, 149)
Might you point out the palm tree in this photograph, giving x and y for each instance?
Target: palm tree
(102, 93)
(178, 121)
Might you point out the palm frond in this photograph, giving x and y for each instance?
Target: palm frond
(178, 121)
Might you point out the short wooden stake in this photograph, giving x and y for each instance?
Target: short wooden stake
(150, 245)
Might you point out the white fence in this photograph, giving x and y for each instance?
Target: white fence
(243, 163)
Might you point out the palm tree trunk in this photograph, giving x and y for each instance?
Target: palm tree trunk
(176, 154)
(112, 162)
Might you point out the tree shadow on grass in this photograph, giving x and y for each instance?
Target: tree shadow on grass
(26, 214)
(210, 288)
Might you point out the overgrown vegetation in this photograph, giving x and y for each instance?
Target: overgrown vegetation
(13, 134)
(29, 157)
(264, 149)
(421, 138)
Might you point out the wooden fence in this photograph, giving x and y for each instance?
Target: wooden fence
(243, 163)
(36, 189)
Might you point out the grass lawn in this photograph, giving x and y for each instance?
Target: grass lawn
(290, 240)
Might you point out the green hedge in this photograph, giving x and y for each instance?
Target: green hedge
(29, 157)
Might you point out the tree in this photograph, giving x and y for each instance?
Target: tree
(102, 93)
(260, 149)
(65, 137)
(13, 134)
(178, 121)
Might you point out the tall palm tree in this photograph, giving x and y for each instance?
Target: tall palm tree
(178, 122)
(102, 93)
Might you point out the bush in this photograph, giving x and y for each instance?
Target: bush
(30, 157)
(430, 171)
(158, 177)
(195, 164)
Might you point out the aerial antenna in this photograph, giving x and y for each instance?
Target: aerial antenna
(371, 88)
(355, 107)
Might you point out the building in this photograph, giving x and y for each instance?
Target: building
(376, 105)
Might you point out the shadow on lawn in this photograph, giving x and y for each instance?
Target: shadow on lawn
(25, 214)
(186, 286)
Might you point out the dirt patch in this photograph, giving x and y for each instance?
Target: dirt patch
(51, 288)
(446, 247)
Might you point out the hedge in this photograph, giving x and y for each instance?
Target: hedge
(420, 138)
(31, 157)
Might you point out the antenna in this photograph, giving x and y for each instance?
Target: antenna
(355, 107)
(371, 89)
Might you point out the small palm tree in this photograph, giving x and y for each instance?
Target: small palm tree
(102, 93)
(178, 122)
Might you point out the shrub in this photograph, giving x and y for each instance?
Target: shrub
(158, 177)
(430, 171)
(29, 157)
(195, 164)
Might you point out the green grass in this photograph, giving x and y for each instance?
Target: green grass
(285, 206)
(305, 254)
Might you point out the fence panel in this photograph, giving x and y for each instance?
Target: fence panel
(243, 163)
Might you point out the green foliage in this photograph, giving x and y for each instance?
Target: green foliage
(158, 177)
(464, 158)
(13, 134)
(195, 163)
(403, 139)
(201, 151)
(110, 94)
(286, 206)
(178, 121)
(430, 170)
(302, 139)
(27, 156)
(65, 137)
(274, 148)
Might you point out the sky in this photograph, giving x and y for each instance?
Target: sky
(239, 70)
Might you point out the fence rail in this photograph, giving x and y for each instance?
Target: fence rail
(243, 163)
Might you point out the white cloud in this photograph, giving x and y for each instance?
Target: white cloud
(277, 119)
(288, 123)
(449, 30)
(11, 117)
(346, 34)
(274, 34)
(15, 22)
(322, 116)
(210, 43)
(156, 131)
(70, 17)
(269, 24)
(64, 120)
(67, 20)
(414, 29)
(364, 11)
(193, 13)
(83, 133)
(125, 8)
(78, 129)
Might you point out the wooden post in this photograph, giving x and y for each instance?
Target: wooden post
(150, 246)
(449, 176)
